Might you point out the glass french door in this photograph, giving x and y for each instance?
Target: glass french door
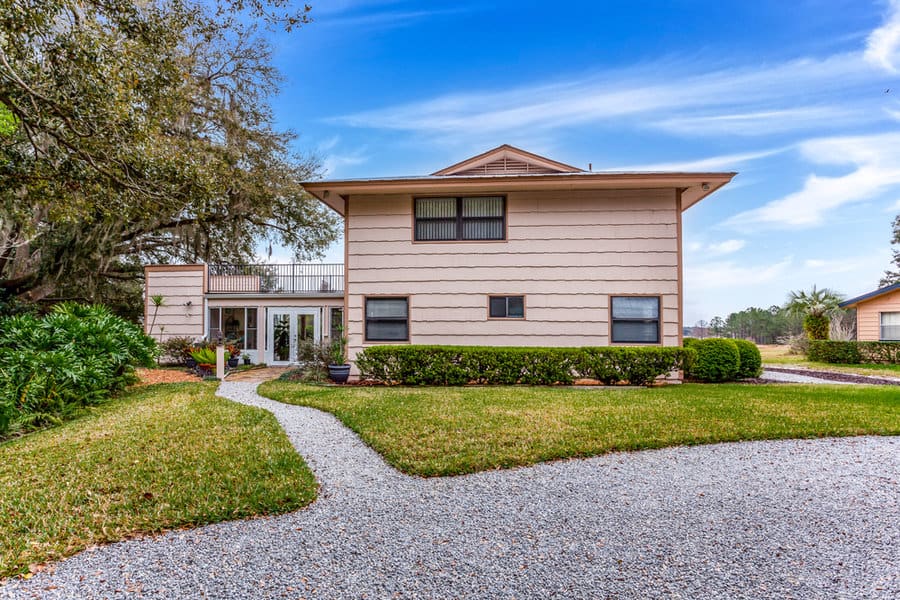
(287, 327)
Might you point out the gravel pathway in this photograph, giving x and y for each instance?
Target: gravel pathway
(787, 377)
(789, 519)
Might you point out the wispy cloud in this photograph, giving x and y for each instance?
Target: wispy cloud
(883, 44)
(711, 163)
(764, 122)
(664, 95)
(379, 14)
(876, 168)
(728, 274)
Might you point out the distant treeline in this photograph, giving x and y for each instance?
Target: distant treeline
(762, 325)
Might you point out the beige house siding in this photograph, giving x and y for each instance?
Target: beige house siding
(567, 252)
(868, 315)
(182, 288)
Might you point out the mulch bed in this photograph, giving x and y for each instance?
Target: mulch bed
(151, 376)
(835, 376)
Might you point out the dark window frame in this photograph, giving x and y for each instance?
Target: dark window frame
(506, 316)
(460, 220)
(657, 320)
(367, 319)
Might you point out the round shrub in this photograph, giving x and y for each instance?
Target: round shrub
(717, 359)
(751, 359)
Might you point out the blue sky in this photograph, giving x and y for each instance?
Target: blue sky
(802, 98)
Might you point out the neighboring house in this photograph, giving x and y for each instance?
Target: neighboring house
(877, 314)
(505, 248)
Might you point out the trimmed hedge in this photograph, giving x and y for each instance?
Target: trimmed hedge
(853, 353)
(716, 359)
(461, 365)
(751, 359)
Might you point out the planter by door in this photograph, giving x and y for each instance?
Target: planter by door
(233, 362)
(339, 373)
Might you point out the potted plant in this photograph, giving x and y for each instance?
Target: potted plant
(338, 368)
(246, 358)
(234, 354)
(206, 361)
(189, 361)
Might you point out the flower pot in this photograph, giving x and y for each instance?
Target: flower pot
(246, 360)
(190, 363)
(339, 373)
(206, 370)
(233, 362)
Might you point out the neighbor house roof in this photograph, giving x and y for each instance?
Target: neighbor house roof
(871, 295)
(510, 169)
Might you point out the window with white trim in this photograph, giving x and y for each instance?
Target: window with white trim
(890, 327)
(235, 324)
(635, 320)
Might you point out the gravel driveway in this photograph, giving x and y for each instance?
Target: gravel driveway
(788, 519)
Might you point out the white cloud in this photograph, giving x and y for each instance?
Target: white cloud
(726, 247)
(675, 96)
(763, 122)
(876, 162)
(883, 44)
(730, 275)
(712, 163)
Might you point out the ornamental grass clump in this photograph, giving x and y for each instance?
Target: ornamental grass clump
(75, 356)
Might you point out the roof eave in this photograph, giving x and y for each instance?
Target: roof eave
(852, 302)
(694, 186)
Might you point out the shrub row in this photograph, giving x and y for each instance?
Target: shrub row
(721, 359)
(460, 365)
(75, 356)
(852, 353)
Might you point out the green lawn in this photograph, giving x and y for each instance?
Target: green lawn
(159, 457)
(778, 356)
(450, 431)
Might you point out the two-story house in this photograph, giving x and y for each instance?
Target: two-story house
(505, 248)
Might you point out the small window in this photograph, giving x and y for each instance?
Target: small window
(387, 319)
(507, 307)
(449, 219)
(635, 319)
(215, 323)
(890, 327)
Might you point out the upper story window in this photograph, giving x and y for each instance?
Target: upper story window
(470, 218)
(635, 319)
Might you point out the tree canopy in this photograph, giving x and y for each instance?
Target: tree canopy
(893, 276)
(134, 132)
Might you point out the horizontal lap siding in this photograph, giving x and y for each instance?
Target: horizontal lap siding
(567, 252)
(868, 316)
(181, 314)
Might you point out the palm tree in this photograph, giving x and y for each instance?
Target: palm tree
(816, 307)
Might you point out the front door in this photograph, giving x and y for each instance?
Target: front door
(287, 327)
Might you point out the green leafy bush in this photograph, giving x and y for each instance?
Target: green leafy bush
(717, 359)
(177, 349)
(751, 359)
(204, 356)
(75, 356)
(851, 353)
(460, 365)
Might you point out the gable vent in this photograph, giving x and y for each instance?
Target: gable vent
(506, 166)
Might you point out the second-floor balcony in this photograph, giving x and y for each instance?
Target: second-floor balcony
(288, 279)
